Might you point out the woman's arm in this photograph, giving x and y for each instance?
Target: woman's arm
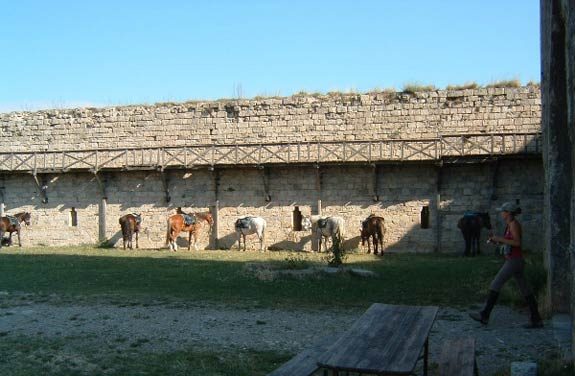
(515, 229)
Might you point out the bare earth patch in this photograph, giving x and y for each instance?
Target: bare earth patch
(166, 326)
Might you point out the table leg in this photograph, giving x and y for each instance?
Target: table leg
(425, 355)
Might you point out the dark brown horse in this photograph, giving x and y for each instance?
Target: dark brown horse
(374, 227)
(192, 223)
(130, 225)
(470, 225)
(11, 223)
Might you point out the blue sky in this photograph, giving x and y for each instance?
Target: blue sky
(64, 54)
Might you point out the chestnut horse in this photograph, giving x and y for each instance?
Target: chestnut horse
(374, 227)
(11, 223)
(130, 225)
(177, 224)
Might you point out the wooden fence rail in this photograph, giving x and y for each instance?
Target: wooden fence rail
(372, 151)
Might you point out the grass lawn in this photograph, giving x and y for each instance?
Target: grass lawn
(221, 276)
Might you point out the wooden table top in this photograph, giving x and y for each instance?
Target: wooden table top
(386, 339)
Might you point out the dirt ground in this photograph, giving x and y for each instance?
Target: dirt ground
(164, 326)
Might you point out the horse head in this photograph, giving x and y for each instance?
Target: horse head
(26, 218)
(306, 223)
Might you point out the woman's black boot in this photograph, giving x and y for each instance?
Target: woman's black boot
(483, 316)
(535, 320)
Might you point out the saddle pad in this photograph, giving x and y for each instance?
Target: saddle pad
(12, 220)
(243, 222)
(189, 219)
(470, 214)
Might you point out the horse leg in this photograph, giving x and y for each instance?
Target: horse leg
(244, 236)
(375, 244)
(467, 238)
(137, 240)
(19, 241)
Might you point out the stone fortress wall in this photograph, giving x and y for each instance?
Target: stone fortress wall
(398, 191)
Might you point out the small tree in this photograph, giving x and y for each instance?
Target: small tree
(337, 255)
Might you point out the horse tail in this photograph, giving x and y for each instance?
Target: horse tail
(168, 228)
(126, 229)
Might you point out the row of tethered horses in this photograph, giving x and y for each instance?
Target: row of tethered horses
(324, 227)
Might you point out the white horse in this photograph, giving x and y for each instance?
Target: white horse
(325, 227)
(247, 225)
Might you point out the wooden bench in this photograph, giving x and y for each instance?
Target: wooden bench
(458, 358)
(305, 363)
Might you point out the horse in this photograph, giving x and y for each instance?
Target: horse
(247, 225)
(325, 227)
(470, 225)
(374, 227)
(192, 223)
(12, 223)
(130, 225)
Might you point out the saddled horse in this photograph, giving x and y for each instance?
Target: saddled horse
(374, 227)
(130, 225)
(191, 223)
(470, 225)
(247, 225)
(12, 223)
(325, 227)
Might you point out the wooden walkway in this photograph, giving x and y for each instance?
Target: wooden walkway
(210, 156)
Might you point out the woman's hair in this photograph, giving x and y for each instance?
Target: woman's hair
(516, 212)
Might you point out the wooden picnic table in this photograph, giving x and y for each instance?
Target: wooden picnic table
(385, 340)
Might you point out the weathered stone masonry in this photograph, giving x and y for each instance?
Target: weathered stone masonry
(397, 189)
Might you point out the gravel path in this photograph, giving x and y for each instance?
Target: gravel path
(164, 327)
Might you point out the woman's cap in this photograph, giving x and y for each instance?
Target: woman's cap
(509, 207)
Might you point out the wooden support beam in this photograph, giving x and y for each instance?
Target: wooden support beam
(102, 184)
(438, 214)
(493, 180)
(266, 179)
(166, 184)
(214, 242)
(375, 184)
(42, 185)
(318, 185)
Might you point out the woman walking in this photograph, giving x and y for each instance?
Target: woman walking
(513, 267)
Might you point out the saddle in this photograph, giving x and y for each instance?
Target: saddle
(13, 221)
(322, 222)
(243, 222)
(470, 214)
(189, 219)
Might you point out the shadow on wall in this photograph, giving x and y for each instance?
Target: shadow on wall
(290, 244)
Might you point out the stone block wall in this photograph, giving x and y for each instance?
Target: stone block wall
(295, 119)
(346, 191)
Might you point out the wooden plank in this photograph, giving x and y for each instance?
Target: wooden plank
(458, 358)
(386, 339)
(305, 363)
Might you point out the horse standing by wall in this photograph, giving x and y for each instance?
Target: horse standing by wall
(12, 223)
(374, 227)
(130, 225)
(325, 227)
(248, 225)
(470, 225)
(191, 223)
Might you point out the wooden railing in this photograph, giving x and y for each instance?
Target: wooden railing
(446, 146)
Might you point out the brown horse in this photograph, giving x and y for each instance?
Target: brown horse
(373, 226)
(11, 223)
(177, 223)
(130, 225)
